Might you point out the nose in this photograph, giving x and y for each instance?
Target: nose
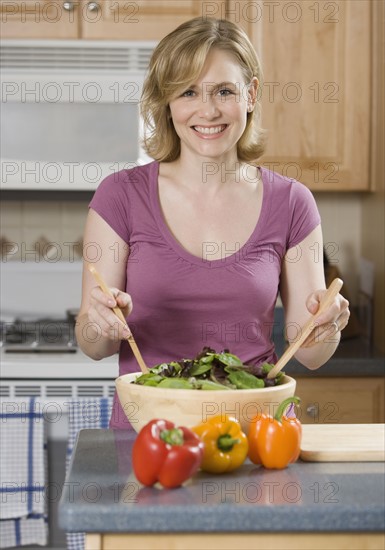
(208, 107)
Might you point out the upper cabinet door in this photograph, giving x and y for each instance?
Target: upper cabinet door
(39, 19)
(316, 59)
(102, 19)
(140, 19)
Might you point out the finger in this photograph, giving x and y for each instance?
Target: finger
(329, 331)
(121, 299)
(108, 323)
(343, 319)
(337, 307)
(101, 297)
(312, 303)
(334, 326)
(329, 315)
(117, 331)
(102, 317)
(124, 301)
(99, 324)
(113, 331)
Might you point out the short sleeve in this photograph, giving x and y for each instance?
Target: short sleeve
(304, 214)
(111, 202)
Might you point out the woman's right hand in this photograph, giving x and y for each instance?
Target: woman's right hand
(101, 314)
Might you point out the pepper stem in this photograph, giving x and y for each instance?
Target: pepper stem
(172, 437)
(226, 442)
(282, 407)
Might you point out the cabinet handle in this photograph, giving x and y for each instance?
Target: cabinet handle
(312, 410)
(68, 6)
(93, 6)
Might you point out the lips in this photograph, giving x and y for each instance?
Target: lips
(210, 130)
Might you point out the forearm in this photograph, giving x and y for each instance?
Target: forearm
(318, 354)
(91, 341)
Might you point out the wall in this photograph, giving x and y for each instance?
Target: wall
(341, 223)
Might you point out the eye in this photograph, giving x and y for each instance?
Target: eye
(223, 92)
(188, 93)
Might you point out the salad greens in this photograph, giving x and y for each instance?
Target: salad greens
(210, 371)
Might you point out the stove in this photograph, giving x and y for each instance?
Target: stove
(37, 332)
(39, 356)
(45, 335)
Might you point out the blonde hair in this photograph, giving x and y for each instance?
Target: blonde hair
(176, 62)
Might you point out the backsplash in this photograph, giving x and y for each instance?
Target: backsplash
(341, 215)
(33, 231)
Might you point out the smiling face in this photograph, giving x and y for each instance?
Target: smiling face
(210, 115)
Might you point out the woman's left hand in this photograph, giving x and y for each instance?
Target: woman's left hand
(330, 322)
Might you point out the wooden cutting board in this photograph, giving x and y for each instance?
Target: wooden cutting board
(343, 442)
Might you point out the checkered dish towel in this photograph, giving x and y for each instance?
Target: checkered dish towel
(23, 468)
(85, 414)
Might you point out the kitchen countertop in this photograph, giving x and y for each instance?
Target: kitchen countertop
(102, 495)
(54, 366)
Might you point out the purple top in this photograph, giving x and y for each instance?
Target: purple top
(182, 302)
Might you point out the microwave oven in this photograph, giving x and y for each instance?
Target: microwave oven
(70, 111)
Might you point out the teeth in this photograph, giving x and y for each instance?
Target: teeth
(214, 130)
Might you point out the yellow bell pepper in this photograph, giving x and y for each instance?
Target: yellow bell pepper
(225, 445)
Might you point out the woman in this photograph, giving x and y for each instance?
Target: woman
(197, 244)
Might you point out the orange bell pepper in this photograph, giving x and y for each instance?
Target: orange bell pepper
(275, 441)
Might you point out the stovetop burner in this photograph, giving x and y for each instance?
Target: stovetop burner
(41, 335)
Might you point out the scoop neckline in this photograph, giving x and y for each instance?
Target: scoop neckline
(179, 249)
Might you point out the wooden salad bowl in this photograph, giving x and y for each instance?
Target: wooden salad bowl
(187, 407)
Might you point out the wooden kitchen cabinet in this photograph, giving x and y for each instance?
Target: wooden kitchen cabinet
(341, 400)
(316, 59)
(241, 541)
(140, 20)
(102, 19)
(39, 19)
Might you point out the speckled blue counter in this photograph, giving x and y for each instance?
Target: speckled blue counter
(101, 494)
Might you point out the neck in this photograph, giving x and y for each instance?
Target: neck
(211, 173)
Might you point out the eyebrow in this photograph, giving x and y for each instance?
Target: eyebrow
(215, 85)
(227, 84)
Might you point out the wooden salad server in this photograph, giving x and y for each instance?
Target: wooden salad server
(119, 314)
(307, 328)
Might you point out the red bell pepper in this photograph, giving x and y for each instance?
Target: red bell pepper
(165, 453)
